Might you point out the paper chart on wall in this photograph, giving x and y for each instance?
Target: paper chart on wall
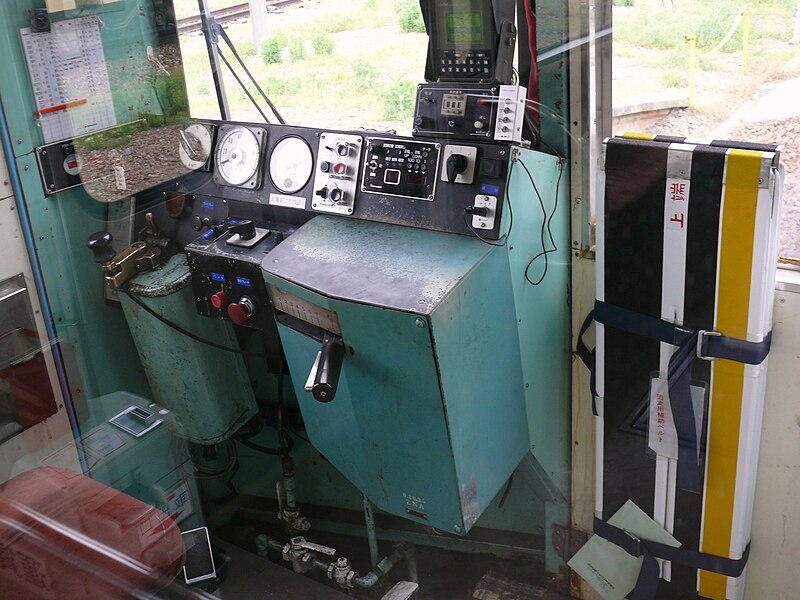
(70, 78)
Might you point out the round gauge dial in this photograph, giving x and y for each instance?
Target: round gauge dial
(291, 164)
(194, 146)
(238, 155)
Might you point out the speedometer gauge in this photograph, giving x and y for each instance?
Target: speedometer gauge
(238, 156)
(291, 164)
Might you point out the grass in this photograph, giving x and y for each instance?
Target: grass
(353, 60)
(319, 64)
(651, 52)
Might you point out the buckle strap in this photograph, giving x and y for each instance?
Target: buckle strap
(709, 344)
(647, 582)
(712, 345)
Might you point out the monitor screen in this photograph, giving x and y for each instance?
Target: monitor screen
(465, 26)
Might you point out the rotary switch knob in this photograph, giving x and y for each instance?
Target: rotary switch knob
(241, 311)
(219, 300)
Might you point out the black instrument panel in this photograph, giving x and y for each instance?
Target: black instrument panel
(399, 180)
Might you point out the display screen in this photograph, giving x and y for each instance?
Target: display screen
(464, 27)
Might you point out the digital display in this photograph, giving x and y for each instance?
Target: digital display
(454, 104)
(392, 176)
(464, 27)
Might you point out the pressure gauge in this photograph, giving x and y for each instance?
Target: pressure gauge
(238, 156)
(194, 147)
(291, 164)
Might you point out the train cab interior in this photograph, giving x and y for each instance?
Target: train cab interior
(397, 299)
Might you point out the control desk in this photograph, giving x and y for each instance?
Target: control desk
(256, 184)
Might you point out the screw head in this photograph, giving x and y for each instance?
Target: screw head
(457, 528)
(420, 323)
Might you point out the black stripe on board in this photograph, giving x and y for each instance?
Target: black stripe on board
(634, 223)
(635, 187)
(705, 203)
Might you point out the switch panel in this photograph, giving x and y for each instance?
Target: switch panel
(336, 173)
(401, 168)
(458, 112)
(464, 175)
(485, 221)
(510, 113)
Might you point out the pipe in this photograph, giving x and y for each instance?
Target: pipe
(384, 566)
(372, 537)
(38, 278)
(323, 563)
(264, 542)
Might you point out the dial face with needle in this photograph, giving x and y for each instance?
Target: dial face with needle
(194, 145)
(291, 164)
(238, 156)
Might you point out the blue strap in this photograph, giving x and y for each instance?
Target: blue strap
(647, 582)
(588, 358)
(690, 343)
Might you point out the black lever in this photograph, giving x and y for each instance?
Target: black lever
(246, 229)
(456, 164)
(329, 368)
(100, 245)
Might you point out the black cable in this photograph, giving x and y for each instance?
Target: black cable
(477, 235)
(300, 435)
(547, 220)
(189, 334)
(272, 107)
(284, 439)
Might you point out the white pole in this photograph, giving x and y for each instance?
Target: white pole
(258, 21)
(796, 37)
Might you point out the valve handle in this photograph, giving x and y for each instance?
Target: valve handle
(100, 245)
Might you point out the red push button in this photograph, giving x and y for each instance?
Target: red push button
(237, 314)
(340, 168)
(219, 299)
(240, 311)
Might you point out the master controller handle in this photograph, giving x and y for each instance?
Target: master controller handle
(246, 229)
(100, 245)
(329, 367)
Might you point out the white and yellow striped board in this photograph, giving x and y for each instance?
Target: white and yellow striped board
(686, 232)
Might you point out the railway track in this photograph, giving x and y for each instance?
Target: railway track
(231, 13)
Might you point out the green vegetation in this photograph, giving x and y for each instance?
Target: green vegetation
(399, 99)
(709, 21)
(323, 44)
(409, 15)
(171, 94)
(297, 49)
(364, 74)
(271, 49)
(674, 79)
(246, 49)
(652, 55)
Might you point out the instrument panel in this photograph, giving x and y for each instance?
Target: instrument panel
(286, 174)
